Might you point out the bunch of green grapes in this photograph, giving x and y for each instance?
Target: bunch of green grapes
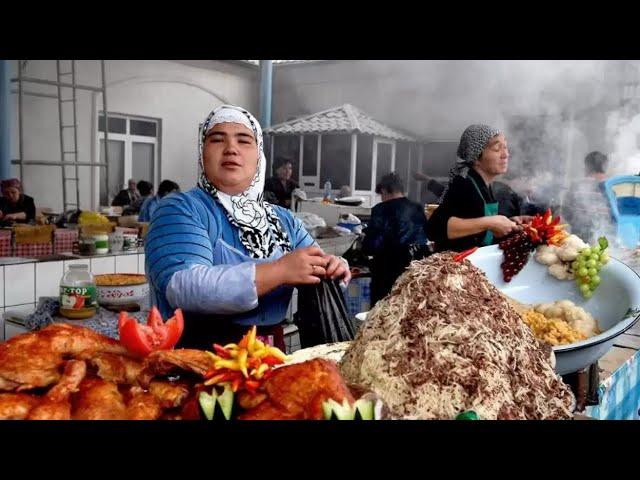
(587, 266)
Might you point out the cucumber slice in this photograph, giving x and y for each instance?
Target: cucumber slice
(363, 409)
(335, 411)
(207, 404)
(225, 402)
(327, 409)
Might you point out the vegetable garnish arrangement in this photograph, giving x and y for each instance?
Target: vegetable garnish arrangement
(141, 339)
(243, 366)
(542, 230)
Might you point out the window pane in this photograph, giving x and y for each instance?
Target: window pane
(364, 162)
(141, 127)
(116, 124)
(334, 164)
(287, 146)
(142, 161)
(116, 170)
(310, 156)
(384, 160)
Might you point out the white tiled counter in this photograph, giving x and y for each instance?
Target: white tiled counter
(22, 284)
(24, 281)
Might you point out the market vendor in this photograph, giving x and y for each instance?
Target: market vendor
(468, 215)
(223, 255)
(15, 206)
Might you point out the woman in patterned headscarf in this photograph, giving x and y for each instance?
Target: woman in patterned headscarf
(468, 212)
(15, 206)
(221, 253)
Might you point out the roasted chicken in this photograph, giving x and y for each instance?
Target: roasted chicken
(55, 405)
(16, 406)
(297, 392)
(98, 400)
(166, 362)
(35, 360)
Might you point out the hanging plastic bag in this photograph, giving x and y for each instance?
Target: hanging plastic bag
(322, 315)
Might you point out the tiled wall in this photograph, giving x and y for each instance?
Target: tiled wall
(21, 285)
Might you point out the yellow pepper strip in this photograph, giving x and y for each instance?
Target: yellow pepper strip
(258, 345)
(242, 362)
(260, 371)
(261, 352)
(230, 364)
(276, 352)
(230, 346)
(213, 356)
(251, 338)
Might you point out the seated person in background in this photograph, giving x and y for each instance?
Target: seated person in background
(396, 223)
(126, 196)
(146, 190)
(151, 203)
(14, 205)
(281, 185)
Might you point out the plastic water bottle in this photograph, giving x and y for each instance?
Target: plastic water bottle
(327, 191)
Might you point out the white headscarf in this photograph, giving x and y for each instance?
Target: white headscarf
(259, 227)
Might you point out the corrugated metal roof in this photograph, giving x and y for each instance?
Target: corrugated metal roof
(343, 119)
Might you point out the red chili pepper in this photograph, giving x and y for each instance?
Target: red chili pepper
(462, 255)
(251, 386)
(236, 384)
(254, 362)
(233, 375)
(221, 351)
(271, 360)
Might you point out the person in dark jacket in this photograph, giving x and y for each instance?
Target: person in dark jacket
(126, 196)
(15, 206)
(471, 214)
(146, 191)
(396, 224)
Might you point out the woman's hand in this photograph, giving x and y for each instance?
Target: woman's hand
(337, 268)
(501, 225)
(522, 219)
(303, 266)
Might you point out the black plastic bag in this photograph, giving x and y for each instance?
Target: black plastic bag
(355, 255)
(322, 315)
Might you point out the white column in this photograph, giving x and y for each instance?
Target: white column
(354, 156)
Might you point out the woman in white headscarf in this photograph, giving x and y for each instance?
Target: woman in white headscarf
(221, 253)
